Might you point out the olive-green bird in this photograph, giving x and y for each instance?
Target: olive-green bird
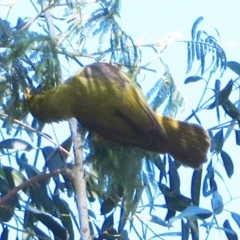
(106, 101)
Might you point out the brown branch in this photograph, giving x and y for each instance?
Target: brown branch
(79, 181)
(30, 181)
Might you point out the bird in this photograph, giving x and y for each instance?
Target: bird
(105, 100)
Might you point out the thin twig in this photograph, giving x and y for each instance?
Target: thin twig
(28, 182)
(39, 133)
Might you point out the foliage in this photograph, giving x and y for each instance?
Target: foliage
(131, 187)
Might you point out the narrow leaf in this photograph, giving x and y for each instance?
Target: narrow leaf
(53, 225)
(217, 203)
(15, 143)
(108, 223)
(107, 206)
(236, 218)
(237, 136)
(151, 218)
(231, 235)
(231, 110)
(191, 212)
(196, 186)
(185, 230)
(195, 25)
(217, 142)
(225, 92)
(192, 79)
(228, 163)
(234, 66)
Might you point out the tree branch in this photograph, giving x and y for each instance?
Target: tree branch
(79, 181)
(30, 181)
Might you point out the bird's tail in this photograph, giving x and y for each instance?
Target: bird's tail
(186, 142)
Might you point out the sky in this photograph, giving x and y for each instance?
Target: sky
(155, 19)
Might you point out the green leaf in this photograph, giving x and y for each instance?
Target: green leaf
(217, 141)
(231, 235)
(8, 208)
(194, 229)
(231, 110)
(13, 176)
(236, 218)
(40, 233)
(174, 201)
(228, 163)
(209, 182)
(174, 177)
(108, 223)
(21, 161)
(217, 202)
(14, 143)
(185, 230)
(107, 206)
(192, 79)
(192, 213)
(39, 192)
(151, 218)
(217, 91)
(237, 136)
(57, 230)
(225, 92)
(234, 66)
(194, 28)
(5, 233)
(196, 186)
(65, 217)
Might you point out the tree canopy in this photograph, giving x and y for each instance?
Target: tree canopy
(61, 181)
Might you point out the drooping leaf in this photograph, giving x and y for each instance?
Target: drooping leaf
(196, 186)
(217, 91)
(228, 163)
(107, 206)
(236, 218)
(209, 184)
(174, 177)
(40, 233)
(192, 212)
(185, 230)
(108, 223)
(231, 110)
(151, 218)
(13, 176)
(237, 136)
(192, 79)
(217, 202)
(217, 141)
(5, 233)
(234, 66)
(225, 92)
(39, 192)
(57, 230)
(8, 208)
(231, 235)
(65, 216)
(175, 201)
(21, 161)
(14, 143)
(194, 27)
(194, 228)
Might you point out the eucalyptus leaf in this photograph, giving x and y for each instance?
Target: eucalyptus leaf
(228, 163)
(14, 143)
